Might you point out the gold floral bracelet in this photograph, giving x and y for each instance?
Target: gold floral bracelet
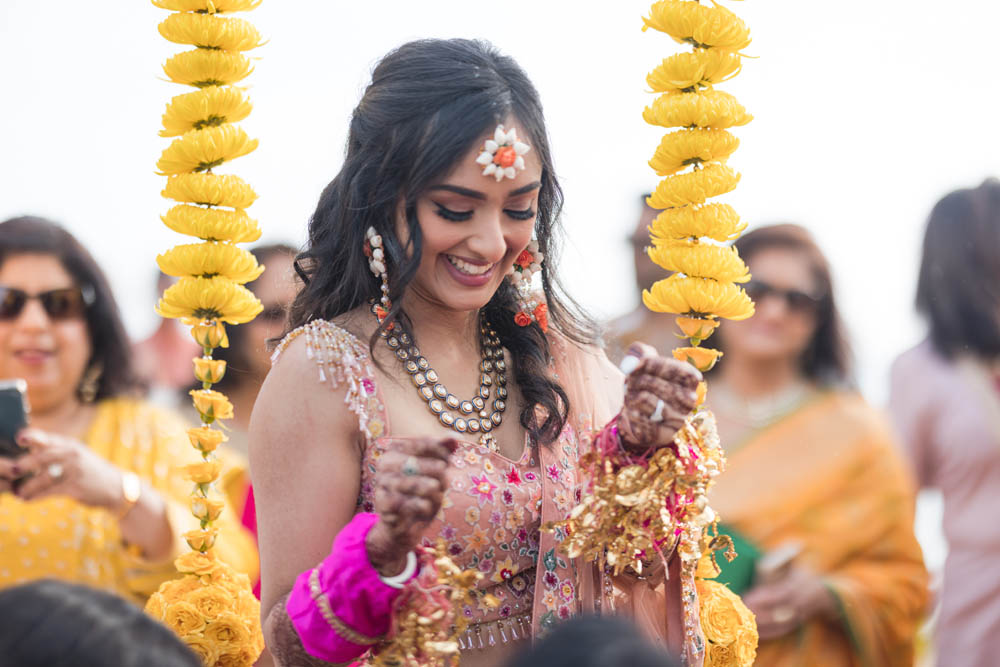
(338, 626)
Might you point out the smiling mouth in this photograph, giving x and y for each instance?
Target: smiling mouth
(467, 268)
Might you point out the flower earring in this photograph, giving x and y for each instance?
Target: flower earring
(375, 252)
(531, 306)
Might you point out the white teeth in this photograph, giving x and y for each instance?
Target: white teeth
(471, 269)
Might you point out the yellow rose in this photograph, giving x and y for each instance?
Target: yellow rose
(183, 618)
(206, 438)
(205, 649)
(696, 328)
(206, 509)
(197, 563)
(201, 540)
(210, 334)
(707, 567)
(701, 394)
(702, 358)
(179, 588)
(228, 628)
(238, 656)
(211, 404)
(745, 645)
(247, 605)
(203, 472)
(721, 656)
(209, 370)
(720, 612)
(210, 601)
(154, 606)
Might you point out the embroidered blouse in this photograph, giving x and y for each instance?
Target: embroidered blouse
(492, 515)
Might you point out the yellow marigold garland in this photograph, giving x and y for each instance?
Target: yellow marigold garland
(211, 607)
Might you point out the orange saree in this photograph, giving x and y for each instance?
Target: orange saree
(828, 478)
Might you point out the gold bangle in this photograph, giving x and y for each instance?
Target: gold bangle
(131, 492)
(338, 626)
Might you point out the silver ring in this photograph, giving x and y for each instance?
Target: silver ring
(411, 467)
(55, 470)
(657, 415)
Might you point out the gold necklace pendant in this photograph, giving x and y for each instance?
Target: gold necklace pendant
(490, 442)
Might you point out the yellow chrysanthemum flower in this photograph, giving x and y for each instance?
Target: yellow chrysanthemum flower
(701, 260)
(720, 222)
(701, 26)
(695, 187)
(209, 190)
(710, 109)
(208, 6)
(209, 260)
(691, 70)
(210, 32)
(207, 67)
(683, 148)
(199, 150)
(698, 297)
(702, 358)
(203, 108)
(212, 224)
(209, 299)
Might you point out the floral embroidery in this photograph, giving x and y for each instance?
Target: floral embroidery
(513, 477)
(553, 472)
(513, 521)
(471, 457)
(496, 518)
(488, 466)
(477, 539)
(550, 579)
(505, 571)
(368, 385)
(507, 496)
(549, 560)
(482, 488)
(472, 515)
(564, 612)
(530, 476)
(567, 591)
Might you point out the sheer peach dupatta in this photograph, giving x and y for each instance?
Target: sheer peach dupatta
(596, 392)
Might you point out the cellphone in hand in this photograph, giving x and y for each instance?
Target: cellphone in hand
(13, 416)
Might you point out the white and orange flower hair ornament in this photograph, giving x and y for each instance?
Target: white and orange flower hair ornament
(503, 155)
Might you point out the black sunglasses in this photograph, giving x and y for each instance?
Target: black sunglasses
(60, 304)
(796, 300)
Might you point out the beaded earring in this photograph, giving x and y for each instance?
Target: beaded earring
(531, 306)
(374, 251)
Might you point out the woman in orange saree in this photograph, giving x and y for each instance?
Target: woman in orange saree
(815, 493)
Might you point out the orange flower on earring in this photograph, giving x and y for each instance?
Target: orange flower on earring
(522, 319)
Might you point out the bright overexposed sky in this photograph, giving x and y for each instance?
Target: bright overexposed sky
(866, 113)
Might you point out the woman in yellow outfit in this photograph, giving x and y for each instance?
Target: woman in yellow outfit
(97, 497)
(815, 493)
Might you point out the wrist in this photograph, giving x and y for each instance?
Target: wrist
(385, 556)
(129, 492)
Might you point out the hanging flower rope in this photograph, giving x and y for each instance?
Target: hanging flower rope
(641, 508)
(211, 607)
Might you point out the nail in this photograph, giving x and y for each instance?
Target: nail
(629, 364)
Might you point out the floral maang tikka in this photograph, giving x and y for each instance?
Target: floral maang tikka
(503, 155)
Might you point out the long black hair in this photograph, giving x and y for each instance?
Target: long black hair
(958, 289)
(110, 348)
(428, 103)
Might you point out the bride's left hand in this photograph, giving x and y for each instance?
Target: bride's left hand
(660, 393)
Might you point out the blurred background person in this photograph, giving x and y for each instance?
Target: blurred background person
(815, 492)
(52, 623)
(642, 324)
(595, 641)
(945, 401)
(99, 497)
(163, 360)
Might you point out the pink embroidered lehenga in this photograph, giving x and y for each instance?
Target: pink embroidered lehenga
(495, 506)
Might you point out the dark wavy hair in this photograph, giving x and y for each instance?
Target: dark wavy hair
(958, 288)
(110, 348)
(428, 103)
(827, 360)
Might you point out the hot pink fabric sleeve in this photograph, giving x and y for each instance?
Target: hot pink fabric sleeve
(357, 597)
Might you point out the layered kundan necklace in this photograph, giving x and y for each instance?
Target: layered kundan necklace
(472, 415)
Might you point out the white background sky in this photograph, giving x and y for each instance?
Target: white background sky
(866, 113)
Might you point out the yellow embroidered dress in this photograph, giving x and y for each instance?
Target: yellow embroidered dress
(58, 537)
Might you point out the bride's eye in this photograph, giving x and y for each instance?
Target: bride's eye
(453, 216)
(526, 214)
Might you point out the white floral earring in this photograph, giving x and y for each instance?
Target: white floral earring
(375, 252)
(531, 306)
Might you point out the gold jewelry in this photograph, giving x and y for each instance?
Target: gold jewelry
(473, 416)
(338, 626)
(90, 384)
(131, 492)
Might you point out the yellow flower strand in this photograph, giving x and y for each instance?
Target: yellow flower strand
(698, 297)
(684, 148)
(209, 260)
(711, 109)
(719, 222)
(209, 299)
(690, 71)
(699, 25)
(201, 150)
(207, 67)
(208, 6)
(701, 260)
(212, 224)
(694, 187)
(210, 32)
(210, 190)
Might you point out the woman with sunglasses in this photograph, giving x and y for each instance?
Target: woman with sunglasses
(97, 495)
(814, 493)
(945, 401)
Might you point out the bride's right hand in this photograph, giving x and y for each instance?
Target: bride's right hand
(409, 490)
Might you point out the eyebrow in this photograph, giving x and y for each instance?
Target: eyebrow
(476, 194)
